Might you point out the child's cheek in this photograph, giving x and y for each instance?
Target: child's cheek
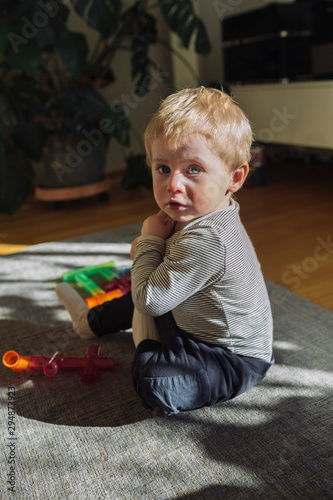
(159, 194)
(210, 191)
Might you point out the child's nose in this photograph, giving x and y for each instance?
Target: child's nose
(176, 182)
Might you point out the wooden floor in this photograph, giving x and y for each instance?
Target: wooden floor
(290, 221)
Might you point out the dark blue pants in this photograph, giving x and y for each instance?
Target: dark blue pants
(180, 372)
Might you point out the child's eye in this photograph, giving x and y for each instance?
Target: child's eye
(194, 170)
(163, 169)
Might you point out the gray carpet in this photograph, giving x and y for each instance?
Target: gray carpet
(71, 441)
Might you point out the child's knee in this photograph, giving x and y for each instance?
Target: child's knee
(175, 393)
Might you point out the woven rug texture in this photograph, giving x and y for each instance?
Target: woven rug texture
(63, 440)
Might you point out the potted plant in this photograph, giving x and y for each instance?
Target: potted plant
(50, 83)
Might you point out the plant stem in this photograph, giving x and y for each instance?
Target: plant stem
(137, 137)
(163, 75)
(96, 51)
(180, 57)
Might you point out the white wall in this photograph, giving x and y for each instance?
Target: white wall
(299, 114)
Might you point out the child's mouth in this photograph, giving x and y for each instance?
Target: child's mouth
(175, 205)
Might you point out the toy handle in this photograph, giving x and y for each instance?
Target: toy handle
(89, 374)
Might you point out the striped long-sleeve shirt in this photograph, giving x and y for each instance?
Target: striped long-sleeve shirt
(208, 275)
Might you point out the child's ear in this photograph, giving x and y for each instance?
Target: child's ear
(238, 177)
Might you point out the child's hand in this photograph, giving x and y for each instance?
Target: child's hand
(158, 225)
(133, 245)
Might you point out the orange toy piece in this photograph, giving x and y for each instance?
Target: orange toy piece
(100, 298)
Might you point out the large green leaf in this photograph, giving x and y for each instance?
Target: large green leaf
(73, 50)
(55, 28)
(16, 180)
(20, 97)
(144, 34)
(23, 54)
(181, 18)
(202, 43)
(101, 15)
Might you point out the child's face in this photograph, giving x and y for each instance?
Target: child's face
(190, 180)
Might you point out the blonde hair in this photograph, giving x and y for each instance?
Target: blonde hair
(205, 111)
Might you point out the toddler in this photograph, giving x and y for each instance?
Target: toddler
(199, 308)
